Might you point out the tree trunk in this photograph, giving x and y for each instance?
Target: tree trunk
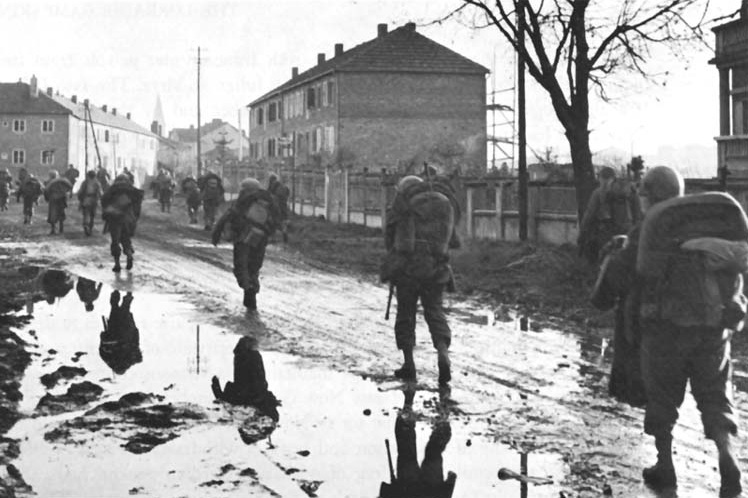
(584, 171)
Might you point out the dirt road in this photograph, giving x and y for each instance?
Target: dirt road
(539, 391)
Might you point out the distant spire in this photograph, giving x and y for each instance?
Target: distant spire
(158, 117)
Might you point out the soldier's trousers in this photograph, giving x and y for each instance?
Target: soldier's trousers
(120, 233)
(408, 293)
(247, 263)
(89, 215)
(56, 211)
(671, 356)
(28, 206)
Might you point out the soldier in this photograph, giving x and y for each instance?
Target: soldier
(103, 176)
(613, 209)
(121, 209)
(89, 194)
(22, 175)
(420, 230)
(56, 193)
(211, 194)
(192, 197)
(30, 189)
(686, 283)
(252, 219)
(165, 189)
(281, 194)
(72, 175)
(6, 180)
(250, 386)
(129, 174)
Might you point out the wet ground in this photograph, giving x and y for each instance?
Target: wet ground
(522, 385)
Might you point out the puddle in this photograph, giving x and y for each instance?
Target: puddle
(330, 440)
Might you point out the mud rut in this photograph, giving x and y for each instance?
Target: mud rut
(533, 389)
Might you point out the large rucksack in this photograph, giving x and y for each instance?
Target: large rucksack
(692, 253)
(428, 213)
(31, 187)
(254, 218)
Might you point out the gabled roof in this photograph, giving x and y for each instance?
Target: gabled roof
(98, 116)
(190, 134)
(15, 98)
(401, 50)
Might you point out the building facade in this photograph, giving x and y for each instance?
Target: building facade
(41, 131)
(392, 102)
(212, 137)
(731, 59)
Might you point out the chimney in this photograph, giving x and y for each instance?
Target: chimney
(338, 49)
(49, 91)
(154, 127)
(294, 72)
(411, 26)
(114, 111)
(74, 99)
(85, 102)
(381, 30)
(129, 116)
(744, 9)
(104, 108)
(33, 88)
(320, 59)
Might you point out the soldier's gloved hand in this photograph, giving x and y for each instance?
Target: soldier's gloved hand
(616, 243)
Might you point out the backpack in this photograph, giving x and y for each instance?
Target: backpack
(31, 187)
(692, 253)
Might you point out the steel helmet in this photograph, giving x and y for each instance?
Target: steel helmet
(407, 181)
(661, 183)
(250, 185)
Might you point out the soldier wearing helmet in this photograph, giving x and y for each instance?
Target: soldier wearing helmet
(676, 345)
(250, 220)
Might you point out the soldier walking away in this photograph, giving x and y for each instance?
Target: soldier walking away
(88, 292)
(686, 267)
(56, 194)
(22, 175)
(250, 386)
(121, 209)
(211, 194)
(419, 232)
(281, 194)
(103, 176)
(192, 197)
(129, 174)
(30, 189)
(252, 219)
(412, 480)
(6, 180)
(89, 194)
(165, 189)
(119, 343)
(613, 209)
(72, 175)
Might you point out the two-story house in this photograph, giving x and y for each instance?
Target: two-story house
(387, 103)
(41, 131)
(731, 59)
(213, 133)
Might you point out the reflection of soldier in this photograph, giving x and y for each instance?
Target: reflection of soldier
(412, 481)
(119, 344)
(250, 387)
(281, 193)
(56, 283)
(211, 193)
(121, 209)
(252, 220)
(192, 196)
(88, 292)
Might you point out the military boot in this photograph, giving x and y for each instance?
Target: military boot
(445, 366)
(250, 299)
(128, 266)
(661, 475)
(117, 267)
(728, 468)
(52, 229)
(61, 227)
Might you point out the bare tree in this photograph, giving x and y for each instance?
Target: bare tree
(575, 45)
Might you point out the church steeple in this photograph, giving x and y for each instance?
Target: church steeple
(158, 125)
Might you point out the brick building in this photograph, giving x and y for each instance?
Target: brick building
(731, 59)
(391, 102)
(43, 130)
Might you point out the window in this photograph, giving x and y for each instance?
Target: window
(330, 92)
(329, 138)
(19, 125)
(323, 97)
(272, 112)
(310, 98)
(19, 156)
(48, 126)
(260, 116)
(314, 141)
(271, 147)
(48, 157)
(106, 135)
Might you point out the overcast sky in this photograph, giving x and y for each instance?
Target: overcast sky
(125, 54)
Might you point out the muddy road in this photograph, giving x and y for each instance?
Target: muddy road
(529, 386)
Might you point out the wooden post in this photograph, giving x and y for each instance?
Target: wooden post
(498, 195)
(347, 196)
(328, 210)
(383, 200)
(469, 212)
(533, 208)
(365, 191)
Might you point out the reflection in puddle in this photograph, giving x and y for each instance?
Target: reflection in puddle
(329, 438)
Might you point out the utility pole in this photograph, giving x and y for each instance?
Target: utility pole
(521, 131)
(85, 135)
(199, 163)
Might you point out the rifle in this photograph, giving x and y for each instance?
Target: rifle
(389, 461)
(389, 302)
